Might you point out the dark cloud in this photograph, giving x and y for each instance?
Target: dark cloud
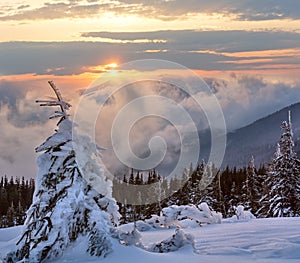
(54, 11)
(165, 10)
(72, 9)
(24, 124)
(181, 40)
(244, 9)
(163, 34)
(7, 158)
(215, 85)
(252, 84)
(192, 40)
(57, 58)
(21, 111)
(181, 46)
(23, 7)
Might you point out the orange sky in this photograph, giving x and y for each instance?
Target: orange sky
(70, 21)
(247, 51)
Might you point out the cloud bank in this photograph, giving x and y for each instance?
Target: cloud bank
(159, 9)
(24, 125)
(211, 50)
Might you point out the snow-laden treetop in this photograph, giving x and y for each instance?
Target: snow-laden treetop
(64, 106)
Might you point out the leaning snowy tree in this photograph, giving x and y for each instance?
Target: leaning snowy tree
(65, 207)
(283, 183)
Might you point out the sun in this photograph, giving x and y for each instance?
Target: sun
(112, 65)
(101, 68)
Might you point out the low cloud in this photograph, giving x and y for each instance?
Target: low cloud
(24, 125)
(20, 109)
(246, 98)
(243, 98)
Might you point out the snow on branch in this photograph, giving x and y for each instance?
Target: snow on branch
(64, 106)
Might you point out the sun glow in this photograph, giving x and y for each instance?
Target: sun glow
(100, 68)
(112, 65)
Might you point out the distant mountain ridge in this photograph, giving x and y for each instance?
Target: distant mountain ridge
(260, 138)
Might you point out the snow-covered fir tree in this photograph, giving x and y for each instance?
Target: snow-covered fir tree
(208, 185)
(250, 195)
(283, 184)
(234, 199)
(65, 207)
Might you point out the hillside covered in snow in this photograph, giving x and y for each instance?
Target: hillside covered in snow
(257, 240)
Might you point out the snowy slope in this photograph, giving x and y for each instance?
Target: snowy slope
(258, 240)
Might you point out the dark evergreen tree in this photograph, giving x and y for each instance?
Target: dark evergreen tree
(19, 214)
(283, 184)
(251, 192)
(11, 214)
(210, 193)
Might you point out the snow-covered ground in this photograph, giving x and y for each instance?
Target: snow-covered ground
(258, 240)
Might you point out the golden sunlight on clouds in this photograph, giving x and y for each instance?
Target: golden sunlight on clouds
(112, 65)
(70, 28)
(254, 54)
(155, 50)
(248, 61)
(96, 36)
(101, 68)
(267, 53)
